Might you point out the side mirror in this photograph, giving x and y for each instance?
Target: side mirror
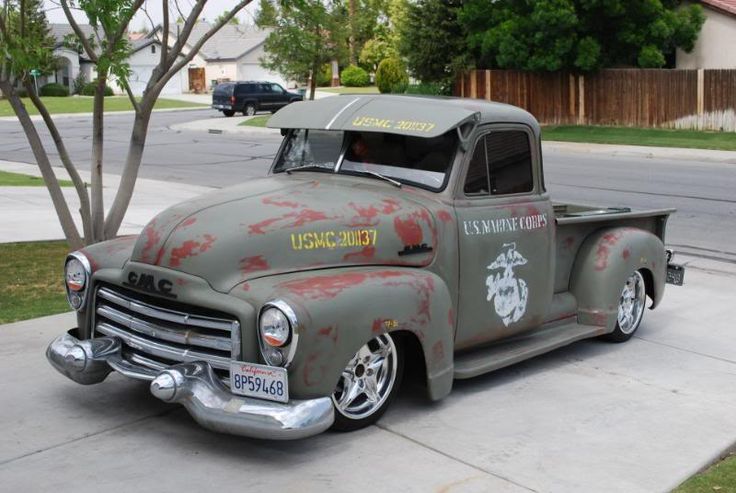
(284, 131)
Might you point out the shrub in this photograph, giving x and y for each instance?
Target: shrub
(428, 88)
(79, 83)
(324, 75)
(391, 76)
(353, 76)
(54, 89)
(89, 89)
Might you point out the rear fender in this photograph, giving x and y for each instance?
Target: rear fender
(604, 262)
(339, 310)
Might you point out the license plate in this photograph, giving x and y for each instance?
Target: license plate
(675, 274)
(264, 382)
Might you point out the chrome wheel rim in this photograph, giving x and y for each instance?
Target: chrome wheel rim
(367, 380)
(631, 303)
(250, 110)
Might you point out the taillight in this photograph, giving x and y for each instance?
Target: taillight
(232, 99)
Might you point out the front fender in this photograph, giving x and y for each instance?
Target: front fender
(342, 309)
(604, 262)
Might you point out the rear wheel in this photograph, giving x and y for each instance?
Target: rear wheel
(249, 110)
(228, 112)
(368, 384)
(631, 306)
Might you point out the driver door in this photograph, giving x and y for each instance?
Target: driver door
(506, 238)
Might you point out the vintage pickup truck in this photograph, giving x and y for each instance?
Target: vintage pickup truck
(391, 230)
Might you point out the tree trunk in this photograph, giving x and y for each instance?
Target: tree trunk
(98, 205)
(313, 82)
(130, 171)
(39, 152)
(351, 39)
(84, 210)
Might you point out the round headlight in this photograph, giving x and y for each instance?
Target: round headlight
(76, 275)
(275, 327)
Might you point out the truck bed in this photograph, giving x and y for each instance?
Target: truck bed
(576, 222)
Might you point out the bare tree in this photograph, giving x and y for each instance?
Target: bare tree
(110, 19)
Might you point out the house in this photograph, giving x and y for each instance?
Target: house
(145, 55)
(233, 53)
(716, 44)
(70, 61)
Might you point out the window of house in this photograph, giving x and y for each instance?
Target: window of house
(501, 162)
(153, 48)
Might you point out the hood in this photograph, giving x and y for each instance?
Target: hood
(287, 223)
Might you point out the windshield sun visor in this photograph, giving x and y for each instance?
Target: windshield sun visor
(387, 114)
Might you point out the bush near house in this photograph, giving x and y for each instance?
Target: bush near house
(353, 76)
(324, 76)
(391, 76)
(54, 89)
(89, 89)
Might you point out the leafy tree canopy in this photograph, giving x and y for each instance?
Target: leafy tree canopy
(547, 35)
(433, 41)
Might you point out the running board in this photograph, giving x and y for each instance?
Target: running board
(490, 358)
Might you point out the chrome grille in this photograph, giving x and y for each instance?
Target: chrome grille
(156, 337)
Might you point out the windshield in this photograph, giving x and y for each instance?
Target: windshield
(413, 160)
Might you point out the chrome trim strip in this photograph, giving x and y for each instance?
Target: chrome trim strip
(337, 115)
(162, 350)
(186, 337)
(164, 313)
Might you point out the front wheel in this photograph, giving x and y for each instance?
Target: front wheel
(368, 384)
(249, 110)
(631, 306)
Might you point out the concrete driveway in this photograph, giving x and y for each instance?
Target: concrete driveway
(634, 417)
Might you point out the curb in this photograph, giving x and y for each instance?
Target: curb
(646, 152)
(223, 125)
(37, 118)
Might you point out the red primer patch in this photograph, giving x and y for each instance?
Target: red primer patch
(190, 248)
(408, 230)
(92, 262)
(568, 242)
(281, 203)
(390, 206)
(626, 253)
(181, 282)
(260, 228)
(438, 351)
(152, 238)
(366, 215)
(366, 253)
(253, 264)
(308, 216)
(607, 241)
(188, 222)
(245, 286)
(451, 318)
(444, 216)
(377, 327)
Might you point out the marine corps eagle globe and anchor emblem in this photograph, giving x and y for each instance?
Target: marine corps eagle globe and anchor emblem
(508, 293)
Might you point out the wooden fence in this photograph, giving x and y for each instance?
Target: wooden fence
(699, 99)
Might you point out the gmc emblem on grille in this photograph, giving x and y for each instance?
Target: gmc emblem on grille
(146, 282)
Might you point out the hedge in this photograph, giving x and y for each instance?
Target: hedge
(89, 89)
(53, 89)
(353, 76)
(391, 76)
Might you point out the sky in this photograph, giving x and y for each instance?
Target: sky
(212, 9)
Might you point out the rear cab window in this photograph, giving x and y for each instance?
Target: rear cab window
(225, 89)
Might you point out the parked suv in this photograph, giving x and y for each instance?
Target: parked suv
(251, 96)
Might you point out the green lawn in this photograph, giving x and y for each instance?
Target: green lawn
(725, 141)
(350, 90)
(83, 104)
(33, 280)
(18, 180)
(256, 121)
(720, 478)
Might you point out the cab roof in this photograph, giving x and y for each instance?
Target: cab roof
(418, 116)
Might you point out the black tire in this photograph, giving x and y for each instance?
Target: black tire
(632, 303)
(228, 112)
(249, 109)
(344, 421)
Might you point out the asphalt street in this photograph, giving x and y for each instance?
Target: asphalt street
(702, 191)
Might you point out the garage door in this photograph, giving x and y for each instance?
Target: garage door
(253, 71)
(140, 76)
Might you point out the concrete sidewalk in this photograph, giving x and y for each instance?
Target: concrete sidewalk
(29, 215)
(636, 417)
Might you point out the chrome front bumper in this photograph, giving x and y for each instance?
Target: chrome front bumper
(195, 386)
